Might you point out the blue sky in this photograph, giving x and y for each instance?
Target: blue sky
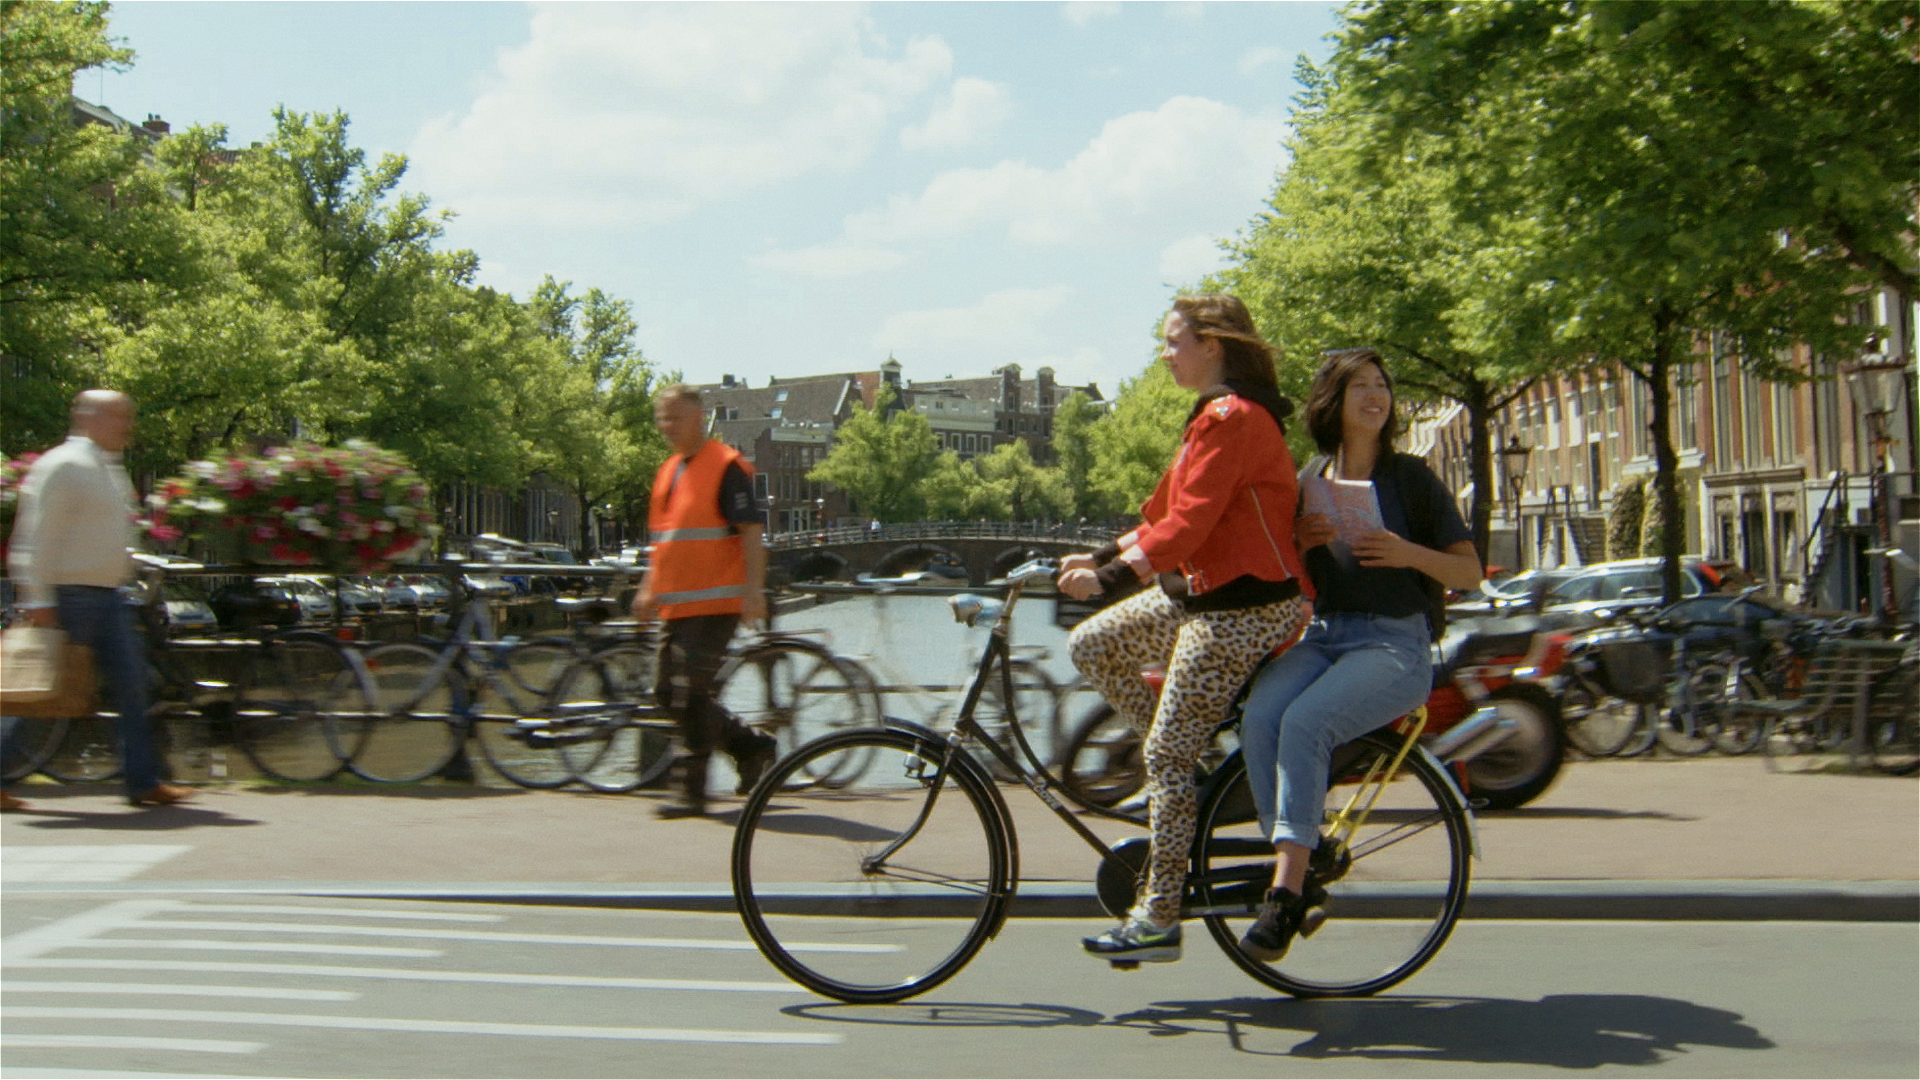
(788, 189)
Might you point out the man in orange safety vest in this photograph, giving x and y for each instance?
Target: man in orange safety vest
(707, 571)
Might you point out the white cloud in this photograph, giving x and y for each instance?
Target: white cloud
(1082, 12)
(646, 111)
(829, 261)
(974, 109)
(1256, 58)
(1002, 327)
(1187, 260)
(1160, 174)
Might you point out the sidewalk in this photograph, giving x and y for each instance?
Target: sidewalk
(1712, 838)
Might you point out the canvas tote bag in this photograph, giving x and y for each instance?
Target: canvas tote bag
(43, 675)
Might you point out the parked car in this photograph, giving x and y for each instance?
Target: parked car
(1511, 591)
(430, 589)
(355, 598)
(395, 594)
(264, 602)
(183, 609)
(316, 602)
(1598, 592)
(491, 586)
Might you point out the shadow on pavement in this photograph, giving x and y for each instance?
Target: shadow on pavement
(1563, 1031)
(1578, 813)
(128, 819)
(950, 1014)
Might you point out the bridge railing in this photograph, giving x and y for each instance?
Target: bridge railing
(1013, 531)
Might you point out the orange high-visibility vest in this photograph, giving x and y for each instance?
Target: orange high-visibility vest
(698, 565)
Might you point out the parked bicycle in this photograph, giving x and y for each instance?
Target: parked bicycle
(295, 702)
(432, 698)
(886, 887)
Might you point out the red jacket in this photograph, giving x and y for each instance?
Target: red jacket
(1225, 507)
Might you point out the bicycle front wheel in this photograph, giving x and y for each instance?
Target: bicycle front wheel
(881, 889)
(1394, 889)
(609, 736)
(414, 730)
(301, 710)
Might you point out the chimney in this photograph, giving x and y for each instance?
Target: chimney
(157, 125)
(726, 382)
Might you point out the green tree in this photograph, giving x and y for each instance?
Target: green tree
(86, 230)
(1073, 422)
(1347, 257)
(600, 442)
(1697, 167)
(882, 461)
(1136, 441)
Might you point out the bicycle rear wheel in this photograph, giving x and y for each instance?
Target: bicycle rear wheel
(1737, 732)
(1597, 726)
(28, 744)
(414, 729)
(795, 691)
(88, 751)
(301, 709)
(1393, 896)
(621, 743)
(884, 888)
(534, 670)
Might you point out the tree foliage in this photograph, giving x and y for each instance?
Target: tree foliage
(1683, 168)
(882, 459)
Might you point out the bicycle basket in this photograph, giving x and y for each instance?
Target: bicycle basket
(1631, 670)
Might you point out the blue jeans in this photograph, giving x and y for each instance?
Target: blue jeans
(102, 620)
(1348, 675)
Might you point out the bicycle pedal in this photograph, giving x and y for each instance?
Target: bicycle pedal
(1125, 965)
(1311, 920)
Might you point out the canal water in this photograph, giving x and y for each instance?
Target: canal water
(913, 640)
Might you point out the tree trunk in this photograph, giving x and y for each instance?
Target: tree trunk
(1666, 461)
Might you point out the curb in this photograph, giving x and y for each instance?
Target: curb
(1663, 901)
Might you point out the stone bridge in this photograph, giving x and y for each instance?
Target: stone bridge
(981, 551)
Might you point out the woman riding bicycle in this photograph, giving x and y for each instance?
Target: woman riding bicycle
(1218, 536)
(1365, 659)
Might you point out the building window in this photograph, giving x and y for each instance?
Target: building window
(1686, 406)
(1786, 429)
(1753, 421)
(1720, 384)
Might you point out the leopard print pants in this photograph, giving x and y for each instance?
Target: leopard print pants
(1209, 655)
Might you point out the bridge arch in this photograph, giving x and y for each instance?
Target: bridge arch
(917, 556)
(821, 565)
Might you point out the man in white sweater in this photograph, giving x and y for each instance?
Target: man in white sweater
(71, 553)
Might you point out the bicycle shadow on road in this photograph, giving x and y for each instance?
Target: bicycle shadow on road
(1562, 1031)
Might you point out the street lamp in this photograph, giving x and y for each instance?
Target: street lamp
(1513, 461)
(1878, 384)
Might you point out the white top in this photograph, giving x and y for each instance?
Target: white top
(75, 524)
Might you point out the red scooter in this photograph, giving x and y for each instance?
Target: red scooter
(1489, 717)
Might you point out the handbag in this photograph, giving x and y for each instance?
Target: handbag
(43, 676)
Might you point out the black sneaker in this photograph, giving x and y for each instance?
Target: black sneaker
(753, 764)
(1137, 939)
(1272, 932)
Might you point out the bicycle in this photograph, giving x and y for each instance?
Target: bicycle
(793, 687)
(431, 698)
(298, 700)
(911, 870)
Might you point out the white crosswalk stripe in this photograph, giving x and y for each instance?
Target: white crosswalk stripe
(142, 952)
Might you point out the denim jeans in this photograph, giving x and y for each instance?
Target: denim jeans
(1348, 675)
(102, 619)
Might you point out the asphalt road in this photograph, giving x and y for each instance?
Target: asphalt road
(243, 985)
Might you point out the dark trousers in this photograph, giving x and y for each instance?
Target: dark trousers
(102, 620)
(690, 657)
